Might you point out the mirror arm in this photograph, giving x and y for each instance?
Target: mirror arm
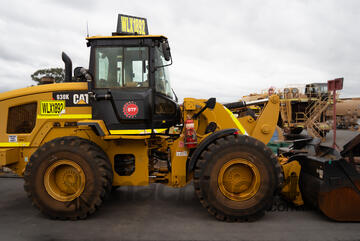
(162, 66)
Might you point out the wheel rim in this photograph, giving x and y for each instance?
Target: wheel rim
(64, 180)
(239, 179)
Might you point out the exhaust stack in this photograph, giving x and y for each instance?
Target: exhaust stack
(68, 67)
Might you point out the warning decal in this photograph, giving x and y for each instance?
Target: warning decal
(130, 109)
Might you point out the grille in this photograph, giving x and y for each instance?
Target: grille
(21, 118)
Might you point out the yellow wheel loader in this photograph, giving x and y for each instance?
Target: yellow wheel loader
(118, 123)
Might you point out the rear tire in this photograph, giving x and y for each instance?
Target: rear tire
(68, 178)
(236, 177)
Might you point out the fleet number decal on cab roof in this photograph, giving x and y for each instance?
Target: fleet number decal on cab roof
(53, 107)
(132, 25)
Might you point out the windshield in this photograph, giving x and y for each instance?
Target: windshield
(118, 67)
(323, 88)
(162, 78)
(316, 89)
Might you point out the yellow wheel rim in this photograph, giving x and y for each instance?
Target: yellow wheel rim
(239, 179)
(64, 180)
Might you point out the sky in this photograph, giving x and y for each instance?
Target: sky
(223, 49)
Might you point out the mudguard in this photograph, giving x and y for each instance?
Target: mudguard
(207, 141)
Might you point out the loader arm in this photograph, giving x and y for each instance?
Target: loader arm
(264, 126)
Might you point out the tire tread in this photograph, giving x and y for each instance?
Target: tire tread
(201, 163)
(99, 158)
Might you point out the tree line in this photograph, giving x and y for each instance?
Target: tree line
(50, 75)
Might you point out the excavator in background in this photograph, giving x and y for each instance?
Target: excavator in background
(119, 123)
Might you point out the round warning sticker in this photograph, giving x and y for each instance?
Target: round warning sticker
(130, 109)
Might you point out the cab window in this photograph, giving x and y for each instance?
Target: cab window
(162, 77)
(121, 67)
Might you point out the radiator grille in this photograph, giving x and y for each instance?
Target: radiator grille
(21, 118)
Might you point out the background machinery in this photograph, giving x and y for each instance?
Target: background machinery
(300, 108)
(347, 113)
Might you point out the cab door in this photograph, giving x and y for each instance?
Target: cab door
(123, 97)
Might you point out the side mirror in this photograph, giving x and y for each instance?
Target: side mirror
(210, 103)
(166, 51)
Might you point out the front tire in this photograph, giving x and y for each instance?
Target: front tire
(236, 177)
(68, 178)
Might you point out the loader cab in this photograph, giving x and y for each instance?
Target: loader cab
(131, 84)
(316, 90)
